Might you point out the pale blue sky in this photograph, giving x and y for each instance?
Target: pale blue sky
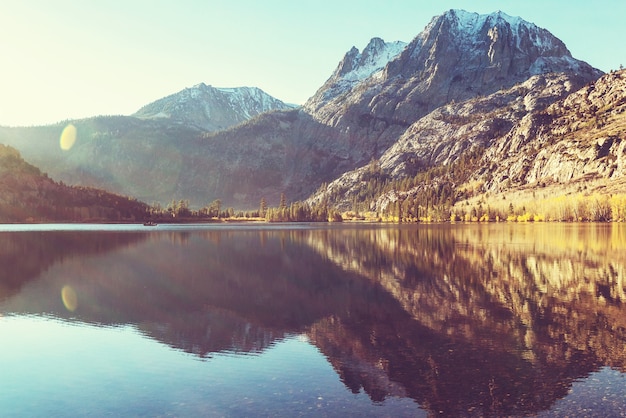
(66, 59)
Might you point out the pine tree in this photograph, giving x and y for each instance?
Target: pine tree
(282, 209)
(262, 208)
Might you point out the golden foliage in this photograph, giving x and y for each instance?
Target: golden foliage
(593, 207)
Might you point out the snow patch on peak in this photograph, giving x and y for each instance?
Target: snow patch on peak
(472, 22)
(373, 59)
(356, 67)
(200, 86)
(472, 25)
(212, 108)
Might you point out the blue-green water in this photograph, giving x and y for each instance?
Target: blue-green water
(313, 320)
(57, 368)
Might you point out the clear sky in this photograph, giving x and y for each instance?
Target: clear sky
(68, 59)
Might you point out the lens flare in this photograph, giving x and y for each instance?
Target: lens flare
(68, 137)
(70, 300)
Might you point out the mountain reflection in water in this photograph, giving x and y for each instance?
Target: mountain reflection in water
(464, 319)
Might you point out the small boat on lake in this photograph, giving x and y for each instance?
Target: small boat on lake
(150, 223)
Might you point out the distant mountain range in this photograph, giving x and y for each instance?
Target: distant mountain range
(486, 89)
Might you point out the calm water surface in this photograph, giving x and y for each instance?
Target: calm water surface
(313, 320)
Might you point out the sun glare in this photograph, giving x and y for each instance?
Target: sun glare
(70, 300)
(68, 137)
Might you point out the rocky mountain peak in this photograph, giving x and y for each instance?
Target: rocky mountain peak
(359, 65)
(496, 45)
(458, 56)
(346, 65)
(212, 108)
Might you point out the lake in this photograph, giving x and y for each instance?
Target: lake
(313, 320)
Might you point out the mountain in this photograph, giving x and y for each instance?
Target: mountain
(364, 108)
(28, 195)
(482, 76)
(445, 135)
(545, 134)
(458, 56)
(211, 108)
(390, 112)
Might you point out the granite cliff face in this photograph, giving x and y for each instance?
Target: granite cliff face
(552, 130)
(578, 138)
(489, 125)
(464, 82)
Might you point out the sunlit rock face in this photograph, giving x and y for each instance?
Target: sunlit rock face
(575, 138)
(444, 135)
(555, 130)
(468, 81)
(354, 68)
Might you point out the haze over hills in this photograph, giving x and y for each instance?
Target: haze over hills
(143, 155)
(468, 87)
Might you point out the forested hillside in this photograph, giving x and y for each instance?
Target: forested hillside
(26, 195)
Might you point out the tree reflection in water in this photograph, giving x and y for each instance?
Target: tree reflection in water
(464, 319)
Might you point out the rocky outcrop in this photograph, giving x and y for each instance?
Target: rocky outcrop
(464, 82)
(550, 130)
(354, 68)
(577, 138)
